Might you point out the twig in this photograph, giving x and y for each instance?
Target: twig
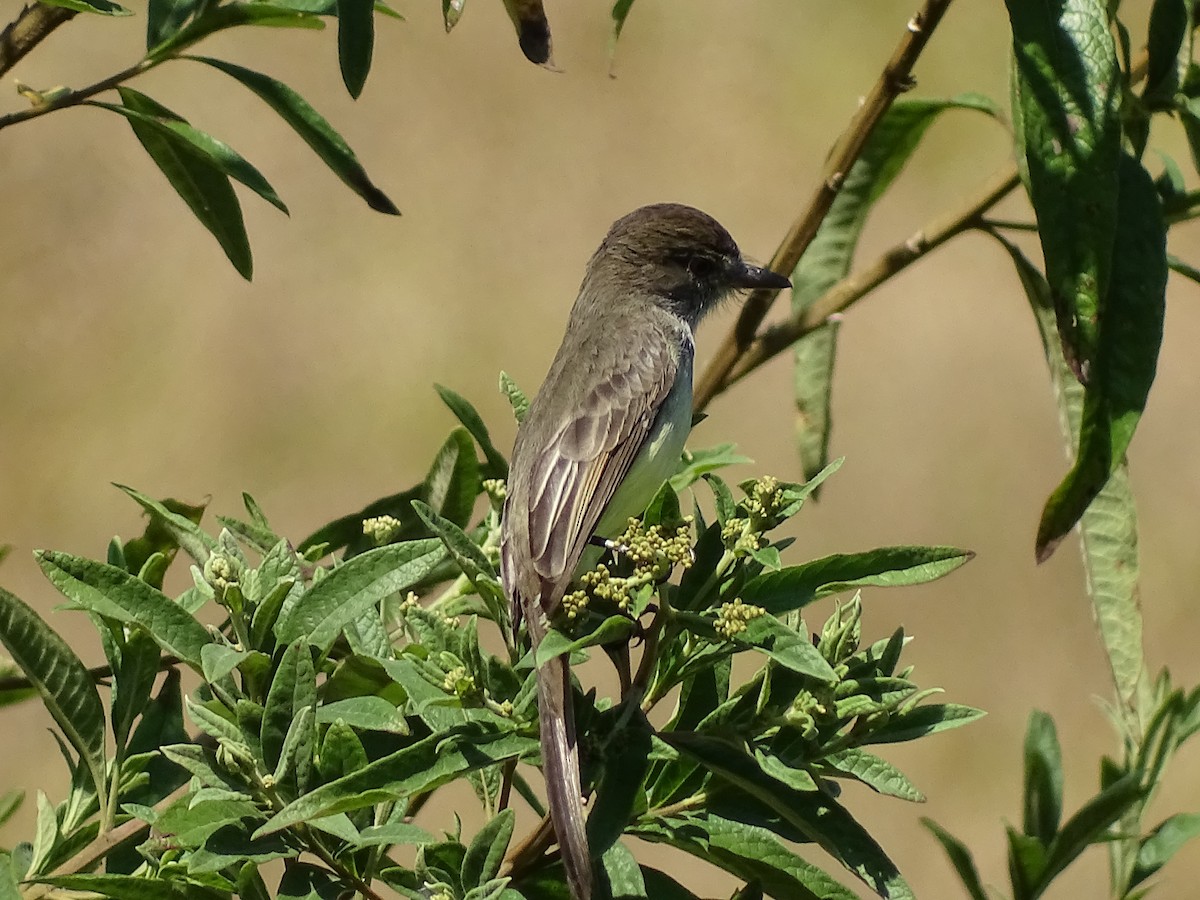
(27, 30)
(727, 368)
(895, 79)
(74, 98)
(775, 340)
(97, 673)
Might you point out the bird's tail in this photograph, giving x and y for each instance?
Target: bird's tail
(560, 765)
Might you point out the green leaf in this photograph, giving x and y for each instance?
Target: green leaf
(1109, 526)
(201, 184)
(1125, 356)
(470, 559)
(149, 113)
(919, 721)
(1090, 823)
(1043, 778)
(133, 680)
(231, 15)
(354, 587)
(1162, 843)
(1026, 864)
(115, 594)
(100, 7)
(696, 464)
(1168, 49)
(533, 30)
(356, 42)
(164, 18)
(423, 766)
(293, 688)
(960, 857)
(298, 751)
(1067, 88)
(797, 586)
(619, 790)
(623, 877)
(452, 11)
(454, 481)
(612, 630)
(178, 520)
(817, 816)
(312, 128)
(748, 851)
(662, 886)
(66, 688)
(497, 465)
(831, 252)
(876, 773)
(516, 397)
(10, 802)
(485, 855)
(786, 646)
(620, 12)
(394, 833)
(368, 713)
(1186, 269)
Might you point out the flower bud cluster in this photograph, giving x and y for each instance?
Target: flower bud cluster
(653, 554)
(496, 489)
(381, 529)
(732, 617)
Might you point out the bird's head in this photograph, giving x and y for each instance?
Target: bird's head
(682, 258)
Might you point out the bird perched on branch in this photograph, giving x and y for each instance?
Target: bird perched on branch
(605, 431)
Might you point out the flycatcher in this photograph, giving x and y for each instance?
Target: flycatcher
(605, 431)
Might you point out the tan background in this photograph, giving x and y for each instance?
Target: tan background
(130, 350)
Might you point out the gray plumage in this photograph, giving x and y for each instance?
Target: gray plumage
(618, 393)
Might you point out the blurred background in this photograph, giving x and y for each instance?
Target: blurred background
(132, 352)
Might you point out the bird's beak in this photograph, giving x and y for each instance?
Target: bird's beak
(744, 275)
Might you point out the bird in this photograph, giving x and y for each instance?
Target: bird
(604, 432)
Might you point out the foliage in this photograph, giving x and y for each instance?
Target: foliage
(336, 699)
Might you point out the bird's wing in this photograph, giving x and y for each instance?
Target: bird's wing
(577, 472)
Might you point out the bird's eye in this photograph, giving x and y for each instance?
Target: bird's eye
(702, 267)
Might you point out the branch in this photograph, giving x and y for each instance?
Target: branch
(27, 30)
(741, 355)
(775, 340)
(74, 98)
(97, 673)
(895, 79)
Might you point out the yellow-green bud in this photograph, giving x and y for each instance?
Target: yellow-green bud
(496, 489)
(222, 572)
(732, 617)
(381, 529)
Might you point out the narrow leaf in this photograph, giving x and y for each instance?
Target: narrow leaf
(115, 594)
(204, 188)
(356, 42)
(828, 258)
(796, 586)
(66, 688)
(1109, 527)
(100, 7)
(312, 128)
(961, 858)
(750, 852)
(356, 586)
(1043, 778)
(1066, 94)
(429, 763)
(1125, 357)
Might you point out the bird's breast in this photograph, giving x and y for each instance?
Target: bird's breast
(659, 456)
